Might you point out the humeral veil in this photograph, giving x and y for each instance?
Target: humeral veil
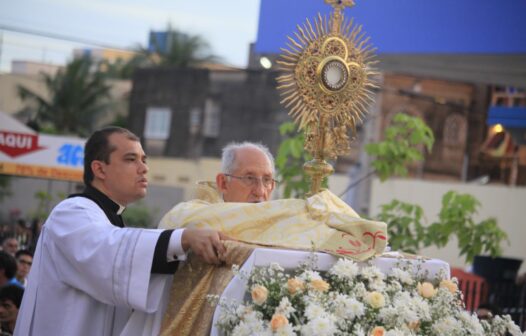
(322, 222)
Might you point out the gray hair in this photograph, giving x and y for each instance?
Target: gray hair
(228, 159)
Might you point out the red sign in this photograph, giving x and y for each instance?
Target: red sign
(15, 144)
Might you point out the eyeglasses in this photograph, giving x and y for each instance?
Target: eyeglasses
(252, 181)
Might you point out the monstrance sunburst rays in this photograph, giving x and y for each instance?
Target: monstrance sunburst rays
(327, 84)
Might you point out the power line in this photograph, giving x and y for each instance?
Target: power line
(62, 37)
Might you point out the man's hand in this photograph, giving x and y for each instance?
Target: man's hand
(205, 243)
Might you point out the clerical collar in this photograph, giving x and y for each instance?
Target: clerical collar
(121, 209)
(105, 201)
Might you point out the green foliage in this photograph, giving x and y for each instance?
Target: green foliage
(119, 120)
(138, 215)
(408, 233)
(44, 199)
(183, 50)
(401, 146)
(77, 95)
(456, 217)
(404, 225)
(123, 69)
(289, 162)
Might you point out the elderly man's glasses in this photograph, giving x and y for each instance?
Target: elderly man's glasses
(252, 181)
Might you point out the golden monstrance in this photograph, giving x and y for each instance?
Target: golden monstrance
(327, 85)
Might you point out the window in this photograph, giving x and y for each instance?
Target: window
(211, 123)
(158, 121)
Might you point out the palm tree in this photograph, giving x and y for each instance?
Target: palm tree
(76, 96)
(181, 50)
(175, 48)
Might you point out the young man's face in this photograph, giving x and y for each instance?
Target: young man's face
(23, 263)
(124, 177)
(8, 311)
(250, 162)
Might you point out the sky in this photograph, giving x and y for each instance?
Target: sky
(228, 26)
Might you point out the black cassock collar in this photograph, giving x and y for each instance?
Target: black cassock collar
(112, 210)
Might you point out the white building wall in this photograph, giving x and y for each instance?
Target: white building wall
(506, 204)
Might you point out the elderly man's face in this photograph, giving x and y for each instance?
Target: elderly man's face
(10, 245)
(251, 181)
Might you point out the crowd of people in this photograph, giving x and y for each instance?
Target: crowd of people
(15, 264)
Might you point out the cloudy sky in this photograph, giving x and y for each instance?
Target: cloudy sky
(229, 26)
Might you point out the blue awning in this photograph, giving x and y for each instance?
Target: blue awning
(509, 117)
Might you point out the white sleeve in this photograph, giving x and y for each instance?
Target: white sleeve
(108, 263)
(175, 247)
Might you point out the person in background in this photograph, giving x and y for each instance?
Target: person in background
(22, 234)
(10, 299)
(10, 245)
(487, 311)
(24, 259)
(7, 268)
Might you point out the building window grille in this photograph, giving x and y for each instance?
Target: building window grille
(158, 121)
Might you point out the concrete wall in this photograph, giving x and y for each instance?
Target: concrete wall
(506, 204)
(23, 203)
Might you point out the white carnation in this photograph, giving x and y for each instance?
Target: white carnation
(447, 326)
(320, 326)
(345, 269)
(403, 276)
(349, 308)
(309, 276)
(314, 311)
(359, 290)
(372, 273)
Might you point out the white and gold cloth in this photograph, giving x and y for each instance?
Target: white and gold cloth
(322, 222)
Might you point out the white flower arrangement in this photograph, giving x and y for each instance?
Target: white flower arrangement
(349, 300)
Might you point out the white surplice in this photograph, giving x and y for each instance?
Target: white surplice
(90, 277)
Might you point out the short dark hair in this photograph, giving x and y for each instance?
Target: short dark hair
(12, 293)
(8, 236)
(23, 252)
(8, 264)
(98, 148)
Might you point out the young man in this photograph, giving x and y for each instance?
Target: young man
(92, 276)
(10, 299)
(24, 259)
(247, 173)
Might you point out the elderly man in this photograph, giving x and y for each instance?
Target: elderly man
(93, 276)
(247, 173)
(10, 245)
(238, 205)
